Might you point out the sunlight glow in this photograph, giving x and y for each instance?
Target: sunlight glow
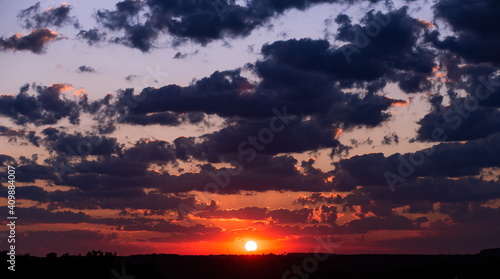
(251, 246)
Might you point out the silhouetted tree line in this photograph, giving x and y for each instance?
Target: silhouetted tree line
(107, 265)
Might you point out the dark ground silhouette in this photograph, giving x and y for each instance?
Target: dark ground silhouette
(98, 264)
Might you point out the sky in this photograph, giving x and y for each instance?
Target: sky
(193, 126)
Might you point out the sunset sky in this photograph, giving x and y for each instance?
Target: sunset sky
(194, 126)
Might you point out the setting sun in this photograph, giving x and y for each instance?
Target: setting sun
(251, 246)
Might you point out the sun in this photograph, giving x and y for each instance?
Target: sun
(251, 246)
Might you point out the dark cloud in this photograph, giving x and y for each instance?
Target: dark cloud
(78, 144)
(362, 59)
(7, 132)
(84, 159)
(229, 94)
(470, 117)
(85, 69)
(34, 42)
(50, 104)
(481, 83)
(151, 151)
(418, 196)
(451, 125)
(375, 223)
(126, 109)
(179, 55)
(266, 172)
(308, 168)
(245, 213)
(33, 17)
(46, 107)
(252, 180)
(112, 167)
(247, 139)
(103, 175)
(129, 78)
(442, 160)
(92, 36)
(304, 76)
(390, 139)
(356, 226)
(33, 171)
(217, 91)
(91, 197)
(13, 135)
(161, 118)
(115, 166)
(327, 214)
(201, 21)
(422, 192)
(35, 215)
(469, 212)
(118, 19)
(137, 36)
(166, 227)
(315, 198)
(475, 40)
(291, 216)
(6, 160)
